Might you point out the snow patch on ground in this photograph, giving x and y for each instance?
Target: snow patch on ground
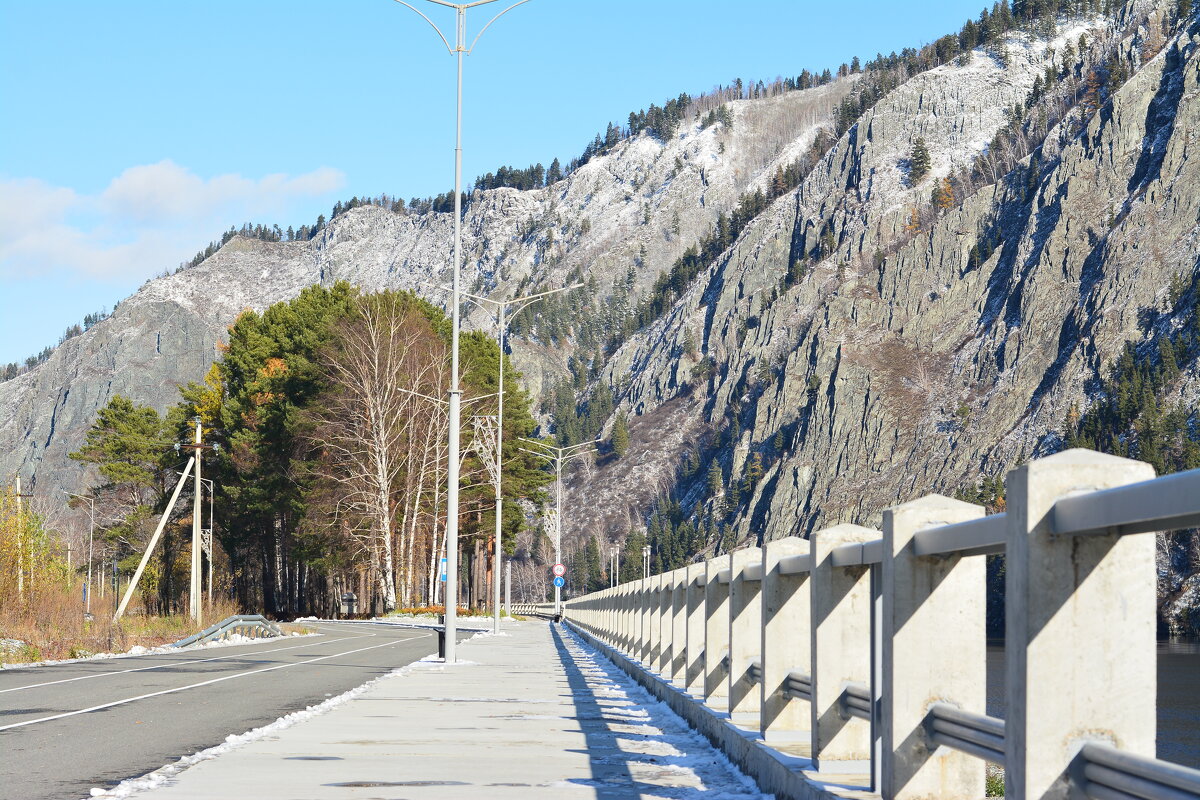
(643, 725)
(138, 650)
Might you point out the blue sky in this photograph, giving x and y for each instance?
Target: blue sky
(135, 132)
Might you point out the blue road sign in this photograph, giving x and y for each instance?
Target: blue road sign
(442, 577)
(560, 581)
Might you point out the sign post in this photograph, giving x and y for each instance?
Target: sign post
(560, 581)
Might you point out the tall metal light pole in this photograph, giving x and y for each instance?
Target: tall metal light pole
(501, 320)
(559, 457)
(458, 50)
(87, 586)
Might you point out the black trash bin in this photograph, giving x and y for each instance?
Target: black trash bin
(441, 633)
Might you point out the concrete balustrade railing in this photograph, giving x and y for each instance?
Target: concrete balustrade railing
(869, 646)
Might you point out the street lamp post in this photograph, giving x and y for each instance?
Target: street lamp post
(87, 586)
(501, 320)
(559, 457)
(458, 50)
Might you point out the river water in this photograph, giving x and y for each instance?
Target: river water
(1178, 698)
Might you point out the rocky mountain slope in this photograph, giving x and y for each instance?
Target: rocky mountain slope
(896, 366)
(856, 345)
(640, 205)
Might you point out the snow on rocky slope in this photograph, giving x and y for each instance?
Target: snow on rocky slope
(644, 203)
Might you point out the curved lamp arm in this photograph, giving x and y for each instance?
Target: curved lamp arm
(438, 30)
(493, 19)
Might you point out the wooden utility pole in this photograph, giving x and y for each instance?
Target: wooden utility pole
(194, 600)
(20, 541)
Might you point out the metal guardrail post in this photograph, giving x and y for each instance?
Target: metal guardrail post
(934, 643)
(841, 648)
(1080, 639)
(745, 631)
(716, 629)
(786, 641)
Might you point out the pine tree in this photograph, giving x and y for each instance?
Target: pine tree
(754, 470)
(918, 161)
(594, 579)
(620, 435)
(715, 479)
(128, 444)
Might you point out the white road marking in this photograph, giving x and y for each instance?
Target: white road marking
(197, 685)
(175, 663)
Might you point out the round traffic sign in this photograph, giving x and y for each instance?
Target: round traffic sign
(559, 569)
(560, 581)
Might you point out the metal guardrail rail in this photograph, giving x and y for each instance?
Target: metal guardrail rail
(798, 686)
(856, 701)
(1105, 773)
(975, 734)
(246, 624)
(1166, 503)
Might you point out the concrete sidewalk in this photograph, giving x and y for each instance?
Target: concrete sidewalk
(534, 712)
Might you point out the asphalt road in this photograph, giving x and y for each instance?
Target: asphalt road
(66, 728)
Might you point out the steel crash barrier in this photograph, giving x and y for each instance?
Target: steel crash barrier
(868, 647)
(253, 625)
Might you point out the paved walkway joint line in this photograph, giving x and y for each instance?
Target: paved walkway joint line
(535, 712)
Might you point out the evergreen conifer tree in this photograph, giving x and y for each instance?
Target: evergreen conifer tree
(918, 161)
(715, 479)
(620, 435)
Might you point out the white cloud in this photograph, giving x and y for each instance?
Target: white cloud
(150, 217)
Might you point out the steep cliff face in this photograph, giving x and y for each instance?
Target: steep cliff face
(641, 204)
(896, 366)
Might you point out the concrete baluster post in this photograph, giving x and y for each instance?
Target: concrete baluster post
(654, 662)
(633, 600)
(841, 650)
(623, 604)
(745, 633)
(1080, 638)
(786, 641)
(716, 632)
(663, 665)
(645, 598)
(694, 667)
(604, 615)
(679, 624)
(934, 649)
(634, 621)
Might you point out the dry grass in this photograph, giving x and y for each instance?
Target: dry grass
(437, 610)
(50, 625)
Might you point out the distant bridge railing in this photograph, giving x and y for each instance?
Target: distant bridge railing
(872, 644)
(252, 625)
(545, 610)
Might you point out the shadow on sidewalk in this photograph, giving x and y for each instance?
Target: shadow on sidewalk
(609, 729)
